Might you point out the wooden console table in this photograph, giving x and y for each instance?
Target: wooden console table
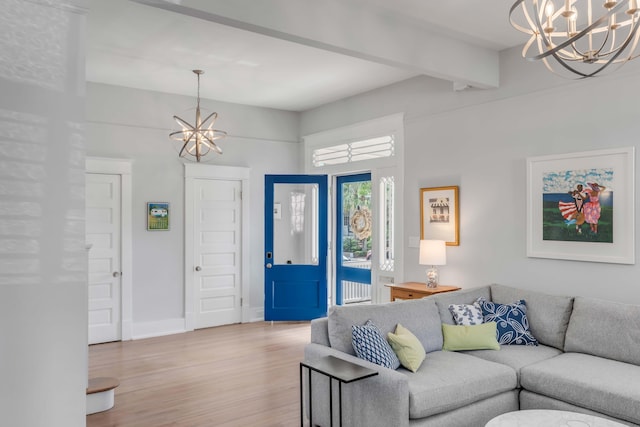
(415, 290)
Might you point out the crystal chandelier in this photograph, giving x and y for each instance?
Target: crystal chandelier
(197, 141)
(583, 36)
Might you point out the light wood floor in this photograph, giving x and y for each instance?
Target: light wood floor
(238, 375)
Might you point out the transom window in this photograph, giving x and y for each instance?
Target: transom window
(368, 149)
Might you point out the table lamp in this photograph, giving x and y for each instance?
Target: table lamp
(433, 252)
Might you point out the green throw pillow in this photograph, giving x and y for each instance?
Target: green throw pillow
(407, 347)
(474, 337)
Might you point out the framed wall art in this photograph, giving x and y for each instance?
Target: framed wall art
(439, 214)
(580, 206)
(157, 216)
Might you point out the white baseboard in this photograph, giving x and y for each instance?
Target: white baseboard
(160, 328)
(157, 328)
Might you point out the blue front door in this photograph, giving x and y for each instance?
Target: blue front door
(353, 237)
(295, 253)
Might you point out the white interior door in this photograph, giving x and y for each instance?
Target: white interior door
(217, 252)
(103, 231)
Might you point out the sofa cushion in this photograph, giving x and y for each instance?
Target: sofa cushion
(548, 314)
(448, 380)
(606, 329)
(476, 414)
(529, 400)
(407, 347)
(464, 296)
(370, 345)
(467, 314)
(512, 322)
(517, 356)
(602, 385)
(420, 316)
(470, 337)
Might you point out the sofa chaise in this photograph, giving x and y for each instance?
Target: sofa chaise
(587, 360)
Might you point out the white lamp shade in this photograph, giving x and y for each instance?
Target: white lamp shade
(433, 252)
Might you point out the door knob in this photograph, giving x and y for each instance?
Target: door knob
(116, 274)
(198, 268)
(269, 265)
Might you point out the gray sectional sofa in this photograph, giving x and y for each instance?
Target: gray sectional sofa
(587, 360)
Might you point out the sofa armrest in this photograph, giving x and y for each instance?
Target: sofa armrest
(379, 401)
(320, 331)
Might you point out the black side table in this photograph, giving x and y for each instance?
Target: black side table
(336, 369)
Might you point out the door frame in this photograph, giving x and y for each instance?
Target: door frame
(337, 232)
(193, 171)
(122, 167)
(386, 166)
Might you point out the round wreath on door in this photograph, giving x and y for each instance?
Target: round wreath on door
(360, 223)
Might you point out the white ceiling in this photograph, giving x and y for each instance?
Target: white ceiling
(291, 54)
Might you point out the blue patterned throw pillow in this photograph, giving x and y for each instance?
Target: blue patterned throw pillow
(511, 320)
(467, 314)
(369, 344)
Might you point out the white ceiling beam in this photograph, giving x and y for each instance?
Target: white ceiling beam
(342, 27)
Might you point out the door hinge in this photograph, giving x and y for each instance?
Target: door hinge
(241, 195)
(241, 302)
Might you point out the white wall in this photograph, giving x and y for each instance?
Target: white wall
(479, 140)
(43, 274)
(135, 124)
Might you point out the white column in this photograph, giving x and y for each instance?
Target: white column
(43, 261)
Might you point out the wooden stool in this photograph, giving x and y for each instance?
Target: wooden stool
(100, 394)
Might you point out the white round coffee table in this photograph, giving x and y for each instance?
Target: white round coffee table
(548, 418)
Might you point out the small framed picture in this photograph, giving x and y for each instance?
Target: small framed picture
(157, 216)
(439, 214)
